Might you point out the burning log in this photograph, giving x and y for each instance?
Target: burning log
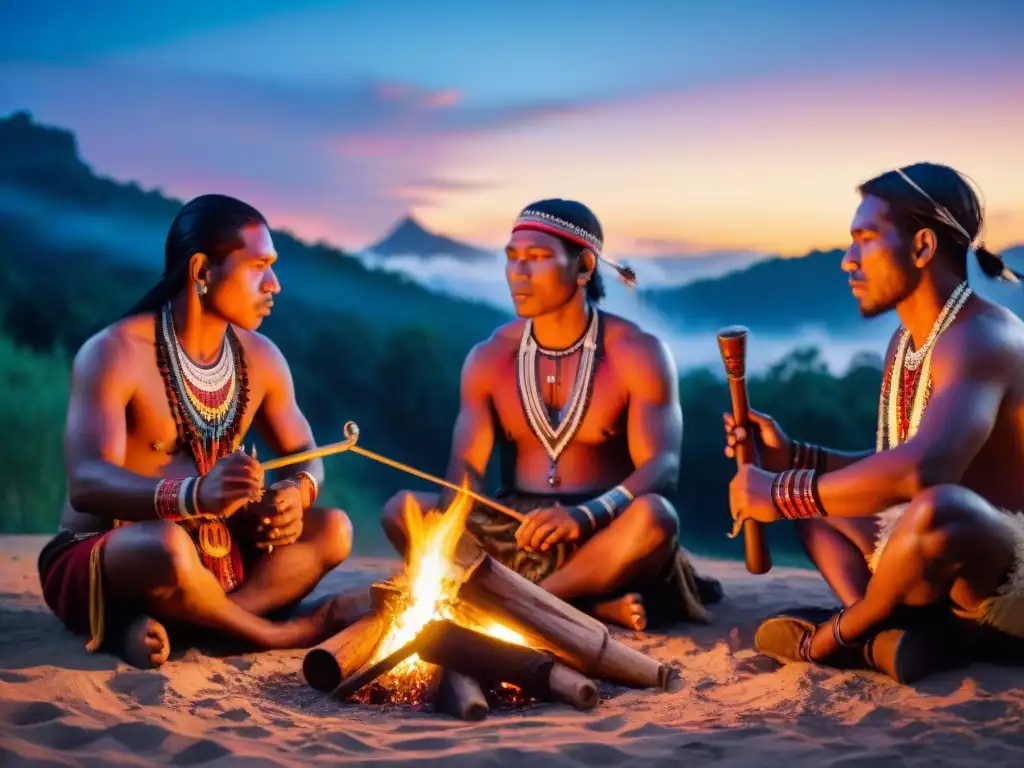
(338, 657)
(461, 697)
(492, 662)
(370, 672)
(547, 622)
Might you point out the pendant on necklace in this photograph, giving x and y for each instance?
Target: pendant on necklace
(215, 539)
(553, 479)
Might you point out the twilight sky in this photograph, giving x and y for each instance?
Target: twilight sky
(687, 126)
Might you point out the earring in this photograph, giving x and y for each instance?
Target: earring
(201, 287)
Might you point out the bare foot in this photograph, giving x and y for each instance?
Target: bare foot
(145, 643)
(329, 619)
(626, 611)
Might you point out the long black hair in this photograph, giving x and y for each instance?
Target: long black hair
(209, 224)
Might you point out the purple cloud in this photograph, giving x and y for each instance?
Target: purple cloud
(344, 160)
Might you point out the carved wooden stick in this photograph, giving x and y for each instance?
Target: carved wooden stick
(732, 343)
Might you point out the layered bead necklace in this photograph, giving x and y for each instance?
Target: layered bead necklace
(906, 386)
(556, 433)
(208, 405)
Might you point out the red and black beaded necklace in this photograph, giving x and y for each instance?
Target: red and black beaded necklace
(208, 405)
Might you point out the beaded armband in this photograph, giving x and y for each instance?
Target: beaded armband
(795, 494)
(598, 513)
(177, 498)
(309, 487)
(807, 456)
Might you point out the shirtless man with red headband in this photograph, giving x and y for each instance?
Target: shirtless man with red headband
(585, 408)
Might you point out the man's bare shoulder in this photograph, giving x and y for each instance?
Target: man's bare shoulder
(988, 339)
(261, 351)
(636, 352)
(498, 346)
(120, 347)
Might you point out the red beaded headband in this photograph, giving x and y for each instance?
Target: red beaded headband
(539, 221)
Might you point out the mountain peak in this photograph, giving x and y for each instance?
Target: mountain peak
(409, 237)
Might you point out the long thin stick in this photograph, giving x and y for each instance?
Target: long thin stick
(351, 435)
(424, 476)
(349, 444)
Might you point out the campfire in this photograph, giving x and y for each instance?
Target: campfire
(462, 631)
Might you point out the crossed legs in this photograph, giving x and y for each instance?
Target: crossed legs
(155, 565)
(839, 548)
(949, 543)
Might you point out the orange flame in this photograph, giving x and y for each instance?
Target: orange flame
(433, 582)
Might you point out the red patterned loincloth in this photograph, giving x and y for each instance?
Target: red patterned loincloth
(71, 577)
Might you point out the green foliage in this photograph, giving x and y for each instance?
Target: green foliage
(33, 401)
(362, 345)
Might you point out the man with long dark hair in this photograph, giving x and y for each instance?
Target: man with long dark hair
(931, 519)
(167, 519)
(585, 407)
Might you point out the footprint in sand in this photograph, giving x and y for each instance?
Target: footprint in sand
(13, 677)
(245, 731)
(237, 715)
(60, 736)
(606, 724)
(978, 710)
(30, 714)
(139, 737)
(596, 754)
(146, 687)
(200, 752)
(347, 742)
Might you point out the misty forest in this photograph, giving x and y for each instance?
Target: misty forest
(76, 250)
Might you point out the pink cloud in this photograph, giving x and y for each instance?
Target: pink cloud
(441, 99)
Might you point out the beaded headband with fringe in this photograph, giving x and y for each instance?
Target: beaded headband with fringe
(541, 221)
(942, 214)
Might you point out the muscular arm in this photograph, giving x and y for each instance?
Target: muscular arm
(473, 435)
(96, 435)
(279, 420)
(654, 427)
(835, 460)
(971, 372)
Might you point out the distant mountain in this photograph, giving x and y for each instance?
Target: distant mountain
(58, 208)
(787, 295)
(662, 272)
(410, 238)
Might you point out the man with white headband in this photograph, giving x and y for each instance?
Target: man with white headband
(922, 539)
(585, 408)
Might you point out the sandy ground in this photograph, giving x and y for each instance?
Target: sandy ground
(60, 705)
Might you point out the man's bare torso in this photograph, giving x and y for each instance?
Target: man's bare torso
(598, 457)
(997, 472)
(152, 448)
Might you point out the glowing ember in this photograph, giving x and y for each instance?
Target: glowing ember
(429, 591)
